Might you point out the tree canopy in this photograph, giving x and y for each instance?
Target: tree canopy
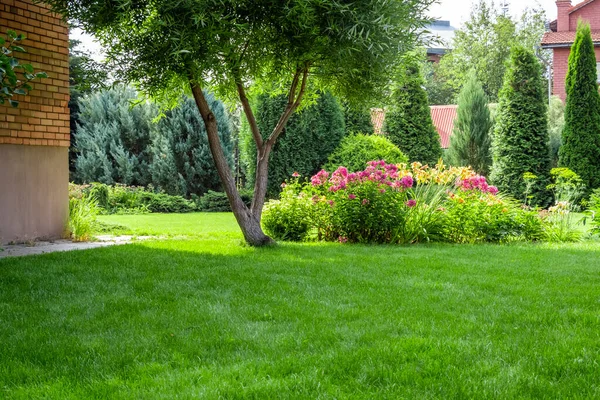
(344, 46)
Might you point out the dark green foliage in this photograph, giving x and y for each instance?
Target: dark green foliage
(165, 203)
(181, 160)
(520, 142)
(309, 137)
(470, 142)
(114, 137)
(408, 123)
(218, 202)
(357, 119)
(355, 151)
(556, 124)
(581, 135)
(85, 77)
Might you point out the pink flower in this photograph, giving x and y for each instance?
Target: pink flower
(492, 190)
(351, 196)
(411, 203)
(283, 185)
(331, 203)
(342, 239)
(295, 174)
(407, 181)
(365, 202)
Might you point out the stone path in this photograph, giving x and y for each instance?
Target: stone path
(41, 247)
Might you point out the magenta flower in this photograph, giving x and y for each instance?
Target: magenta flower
(411, 203)
(295, 174)
(351, 196)
(407, 181)
(492, 190)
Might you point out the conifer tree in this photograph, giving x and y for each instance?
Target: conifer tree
(408, 123)
(113, 138)
(520, 142)
(181, 160)
(580, 151)
(470, 142)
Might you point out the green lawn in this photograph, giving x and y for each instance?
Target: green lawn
(207, 317)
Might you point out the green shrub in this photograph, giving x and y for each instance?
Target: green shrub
(520, 142)
(165, 203)
(357, 119)
(556, 124)
(560, 224)
(594, 208)
(355, 151)
(408, 123)
(291, 217)
(82, 216)
(218, 201)
(580, 151)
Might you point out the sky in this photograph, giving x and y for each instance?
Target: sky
(457, 11)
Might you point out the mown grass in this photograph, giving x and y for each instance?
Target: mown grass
(207, 317)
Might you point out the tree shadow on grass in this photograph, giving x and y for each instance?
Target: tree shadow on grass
(209, 319)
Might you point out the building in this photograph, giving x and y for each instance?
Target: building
(561, 36)
(34, 138)
(440, 37)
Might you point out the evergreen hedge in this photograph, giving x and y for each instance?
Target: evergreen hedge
(520, 142)
(355, 151)
(408, 123)
(580, 150)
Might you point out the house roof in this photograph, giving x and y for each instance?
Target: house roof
(443, 118)
(565, 39)
(554, 24)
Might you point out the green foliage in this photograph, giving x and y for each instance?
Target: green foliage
(181, 161)
(470, 143)
(357, 119)
(218, 202)
(291, 217)
(560, 224)
(113, 139)
(408, 123)
(471, 217)
(310, 136)
(82, 217)
(580, 151)
(355, 151)
(594, 208)
(484, 42)
(567, 186)
(520, 142)
(556, 124)
(14, 76)
(121, 199)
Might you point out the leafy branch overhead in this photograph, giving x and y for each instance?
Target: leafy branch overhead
(14, 76)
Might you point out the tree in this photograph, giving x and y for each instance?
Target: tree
(357, 119)
(520, 142)
(355, 151)
(229, 45)
(470, 142)
(114, 138)
(304, 145)
(580, 151)
(556, 124)
(85, 77)
(408, 123)
(14, 76)
(484, 42)
(181, 163)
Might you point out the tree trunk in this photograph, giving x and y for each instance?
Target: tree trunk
(247, 219)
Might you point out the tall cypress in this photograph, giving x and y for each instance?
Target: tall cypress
(408, 123)
(580, 151)
(520, 142)
(470, 142)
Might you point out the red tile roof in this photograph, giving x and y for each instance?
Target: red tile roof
(443, 119)
(442, 116)
(552, 39)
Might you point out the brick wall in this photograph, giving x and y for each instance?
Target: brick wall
(42, 118)
(561, 66)
(589, 13)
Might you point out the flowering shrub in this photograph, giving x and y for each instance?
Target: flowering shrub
(399, 203)
(560, 224)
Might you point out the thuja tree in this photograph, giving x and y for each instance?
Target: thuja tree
(520, 142)
(580, 150)
(408, 123)
(230, 45)
(113, 138)
(357, 119)
(470, 142)
(181, 161)
(309, 137)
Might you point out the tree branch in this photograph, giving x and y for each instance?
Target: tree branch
(249, 114)
(292, 105)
